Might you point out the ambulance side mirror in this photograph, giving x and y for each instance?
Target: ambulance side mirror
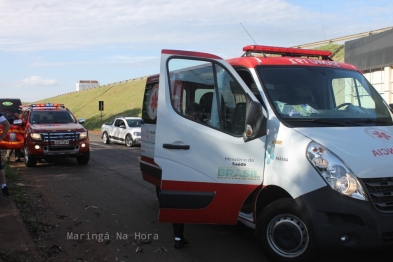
(255, 122)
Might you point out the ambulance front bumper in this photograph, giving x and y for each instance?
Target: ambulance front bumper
(344, 222)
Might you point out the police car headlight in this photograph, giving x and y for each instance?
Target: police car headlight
(335, 172)
(137, 133)
(36, 136)
(83, 135)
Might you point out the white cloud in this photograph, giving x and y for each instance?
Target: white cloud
(35, 81)
(56, 25)
(34, 25)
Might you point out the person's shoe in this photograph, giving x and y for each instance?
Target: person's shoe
(181, 242)
(18, 160)
(5, 191)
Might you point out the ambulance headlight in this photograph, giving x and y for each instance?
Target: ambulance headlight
(334, 171)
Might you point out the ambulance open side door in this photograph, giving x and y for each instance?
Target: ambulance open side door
(209, 165)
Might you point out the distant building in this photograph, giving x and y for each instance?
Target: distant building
(86, 84)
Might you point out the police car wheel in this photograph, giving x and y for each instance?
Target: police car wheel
(83, 159)
(30, 161)
(129, 141)
(105, 138)
(283, 234)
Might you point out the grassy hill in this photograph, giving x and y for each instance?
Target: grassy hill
(123, 98)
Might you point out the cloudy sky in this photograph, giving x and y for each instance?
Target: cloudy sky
(46, 46)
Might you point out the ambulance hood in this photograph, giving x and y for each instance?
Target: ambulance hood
(367, 151)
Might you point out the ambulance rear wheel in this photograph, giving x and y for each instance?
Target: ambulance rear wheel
(283, 234)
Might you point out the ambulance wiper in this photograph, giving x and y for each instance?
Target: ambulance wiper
(368, 120)
(316, 120)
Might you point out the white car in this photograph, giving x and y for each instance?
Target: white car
(123, 130)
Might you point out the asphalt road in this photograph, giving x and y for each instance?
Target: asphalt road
(110, 197)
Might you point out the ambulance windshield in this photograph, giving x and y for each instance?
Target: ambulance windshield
(311, 96)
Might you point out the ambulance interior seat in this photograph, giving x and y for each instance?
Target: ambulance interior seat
(239, 119)
(304, 95)
(205, 104)
(193, 111)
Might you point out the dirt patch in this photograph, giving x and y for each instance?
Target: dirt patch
(49, 224)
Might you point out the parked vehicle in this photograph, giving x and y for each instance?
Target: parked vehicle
(51, 130)
(285, 140)
(15, 136)
(123, 130)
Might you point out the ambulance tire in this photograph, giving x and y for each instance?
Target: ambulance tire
(30, 161)
(273, 225)
(105, 138)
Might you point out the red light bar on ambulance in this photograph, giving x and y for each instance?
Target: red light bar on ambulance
(47, 105)
(285, 51)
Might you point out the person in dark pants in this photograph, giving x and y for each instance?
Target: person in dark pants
(180, 240)
(18, 154)
(6, 125)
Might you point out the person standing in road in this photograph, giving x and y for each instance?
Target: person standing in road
(18, 153)
(180, 240)
(6, 125)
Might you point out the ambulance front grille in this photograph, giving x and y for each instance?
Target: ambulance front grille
(380, 191)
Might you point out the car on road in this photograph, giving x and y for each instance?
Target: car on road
(123, 130)
(51, 131)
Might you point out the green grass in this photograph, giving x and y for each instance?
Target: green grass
(119, 99)
(336, 49)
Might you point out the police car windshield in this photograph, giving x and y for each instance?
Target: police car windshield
(298, 94)
(50, 117)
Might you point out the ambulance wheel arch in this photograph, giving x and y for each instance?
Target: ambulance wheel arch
(273, 224)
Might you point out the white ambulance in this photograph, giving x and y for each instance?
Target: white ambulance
(285, 140)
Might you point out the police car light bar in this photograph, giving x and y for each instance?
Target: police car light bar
(47, 105)
(285, 51)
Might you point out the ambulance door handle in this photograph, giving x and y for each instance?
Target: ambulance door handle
(171, 146)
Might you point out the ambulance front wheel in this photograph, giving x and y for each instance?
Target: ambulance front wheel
(283, 234)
